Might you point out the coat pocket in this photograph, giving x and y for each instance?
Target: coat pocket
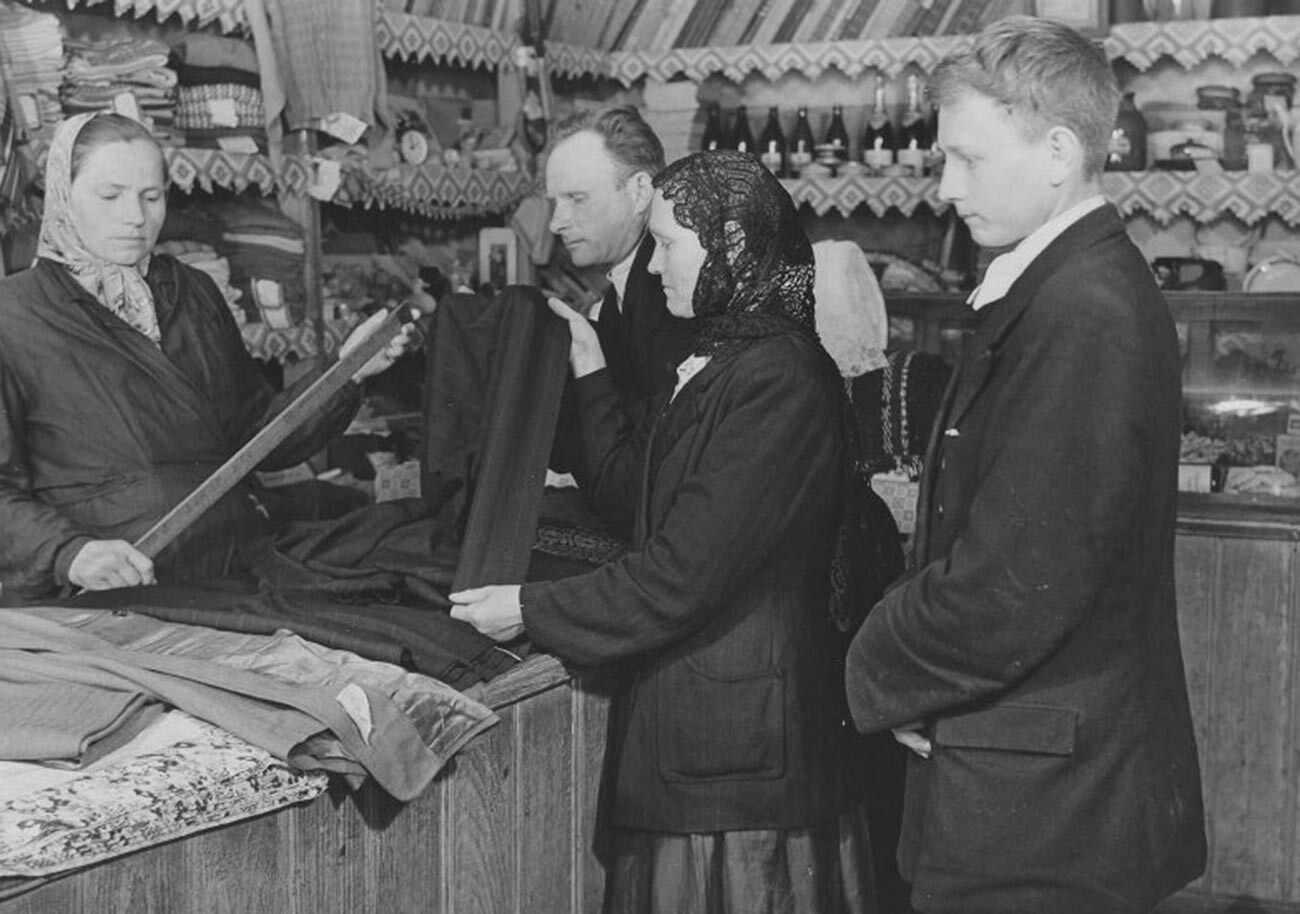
(714, 729)
(1036, 729)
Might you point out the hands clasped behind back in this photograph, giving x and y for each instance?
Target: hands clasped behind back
(585, 354)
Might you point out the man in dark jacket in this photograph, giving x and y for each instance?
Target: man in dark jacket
(598, 174)
(1032, 659)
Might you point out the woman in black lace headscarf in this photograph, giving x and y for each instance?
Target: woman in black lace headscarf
(726, 751)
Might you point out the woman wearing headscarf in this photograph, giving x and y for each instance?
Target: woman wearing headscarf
(726, 750)
(124, 382)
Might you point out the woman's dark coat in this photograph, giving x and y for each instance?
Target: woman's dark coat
(102, 433)
(733, 716)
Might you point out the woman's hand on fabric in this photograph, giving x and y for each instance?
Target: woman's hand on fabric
(494, 610)
(910, 736)
(585, 354)
(382, 360)
(108, 564)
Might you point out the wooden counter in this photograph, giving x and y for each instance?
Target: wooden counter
(1238, 566)
(506, 827)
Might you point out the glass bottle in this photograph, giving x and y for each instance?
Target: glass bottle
(742, 140)
(933, 154)
(771, 145)
(914, 136)
(1128, 139)
(712, 138)
(801, 144)
(1234, 139)
(837, 137)
(878, 137)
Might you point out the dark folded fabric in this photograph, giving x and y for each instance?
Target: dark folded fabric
(375, 581)
(370, 623)
(190, 75)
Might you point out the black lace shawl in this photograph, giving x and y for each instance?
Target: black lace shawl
(757, 277)
(756, 282)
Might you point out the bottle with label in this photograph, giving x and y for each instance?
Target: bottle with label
(837, 137)
(712, 138)
(801, 144)
(771, 145)
(914, 135)
(1128, 138)
(878, 139)
(742, 140)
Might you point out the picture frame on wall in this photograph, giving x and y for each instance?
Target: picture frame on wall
(498, 257)
(1092, 17)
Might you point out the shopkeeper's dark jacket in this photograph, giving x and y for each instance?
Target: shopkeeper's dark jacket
(102, 433)
(1038, 638)
(732, 718)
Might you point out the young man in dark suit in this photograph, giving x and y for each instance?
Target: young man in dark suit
(1031, 661)
(598, 174)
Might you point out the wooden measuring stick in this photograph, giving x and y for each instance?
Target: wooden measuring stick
(242, 462)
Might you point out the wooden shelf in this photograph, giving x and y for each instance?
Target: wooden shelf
(1192, 42)
(434, 191)
(229, 15)
(1163, 195)
(420, 38)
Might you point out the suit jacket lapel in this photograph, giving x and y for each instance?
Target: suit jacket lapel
(976, 367)
(1003, 314)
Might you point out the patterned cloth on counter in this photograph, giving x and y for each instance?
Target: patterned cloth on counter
(181, 776)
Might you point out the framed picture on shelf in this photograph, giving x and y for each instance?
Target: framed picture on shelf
(498, 257)
(1088, 16)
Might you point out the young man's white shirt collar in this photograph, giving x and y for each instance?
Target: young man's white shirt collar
(617, 277)
(1006, 268)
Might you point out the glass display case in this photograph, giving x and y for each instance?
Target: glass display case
(1241, 395)
(1241, 387)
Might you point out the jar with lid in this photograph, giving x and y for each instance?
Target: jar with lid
(1270, 108)
(1128, 138)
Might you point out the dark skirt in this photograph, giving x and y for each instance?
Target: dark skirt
(822, 869)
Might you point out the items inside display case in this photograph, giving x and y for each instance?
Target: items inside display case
(1241, 403)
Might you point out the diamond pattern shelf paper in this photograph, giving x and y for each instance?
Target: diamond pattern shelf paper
(889, 55)
(416, 38)
(1194, 41)
(302, 342)
(846, 194)
(209, 168)
(434, 191)
(228, 14)
(1250, 196)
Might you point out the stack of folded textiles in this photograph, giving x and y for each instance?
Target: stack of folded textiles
(31, 45)
(266, 250)
(205, 257)
(219, 104)
(95, 73)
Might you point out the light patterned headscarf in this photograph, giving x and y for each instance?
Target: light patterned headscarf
(122, 290)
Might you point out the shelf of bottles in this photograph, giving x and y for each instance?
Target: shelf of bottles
(895, 167)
